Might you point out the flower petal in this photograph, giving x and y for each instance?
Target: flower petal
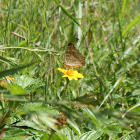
(71, 74)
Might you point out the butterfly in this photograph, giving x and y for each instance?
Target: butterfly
(73, 58)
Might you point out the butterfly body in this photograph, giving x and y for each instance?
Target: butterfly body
(73, 58)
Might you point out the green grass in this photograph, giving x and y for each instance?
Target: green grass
(40, 104)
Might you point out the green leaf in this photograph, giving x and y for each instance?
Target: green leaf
(39, 107)
(58, 136)
(29, 124)
(66, 131)
(89, 113)
(14, 134)
(90, 135)
(14, 70)
(45, 137)
(75, 127)
(22, 44)
(16, 138)
(15, 89)
(24, 81)
(113, 130)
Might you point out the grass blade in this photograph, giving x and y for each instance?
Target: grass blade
(116, 84)
(135, 21)
(67, 13)
(7, 61)
(13, 70)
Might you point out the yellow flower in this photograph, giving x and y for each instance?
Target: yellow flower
(71, 74)
(10, 78)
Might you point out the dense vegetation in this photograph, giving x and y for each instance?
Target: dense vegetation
(37, 103)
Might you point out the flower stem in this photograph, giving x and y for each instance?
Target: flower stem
(65, 89)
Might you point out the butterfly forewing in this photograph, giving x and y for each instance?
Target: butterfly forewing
(73, 58)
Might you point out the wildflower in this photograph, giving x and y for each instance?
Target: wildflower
(71, 74)
(10, 78)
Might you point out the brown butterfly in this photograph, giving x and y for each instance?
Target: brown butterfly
(73, 58)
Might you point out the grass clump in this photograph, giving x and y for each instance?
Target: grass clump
(37, 102)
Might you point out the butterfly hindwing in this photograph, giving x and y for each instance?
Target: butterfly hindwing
(73, 58)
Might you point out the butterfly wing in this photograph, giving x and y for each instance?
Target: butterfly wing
(73, 58)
